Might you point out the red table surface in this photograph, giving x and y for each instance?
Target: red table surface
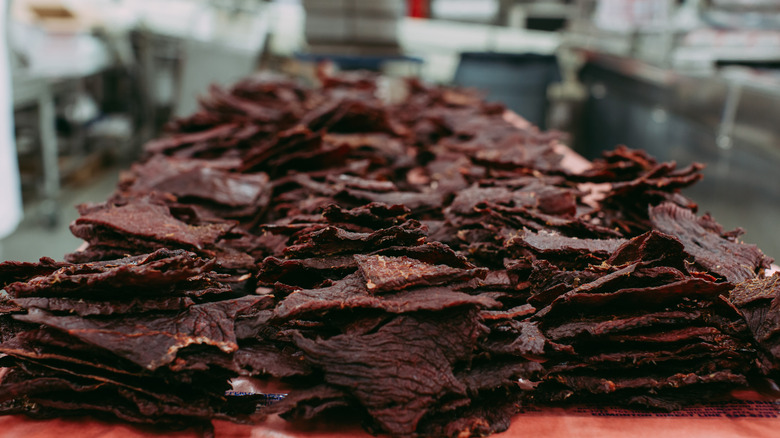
(541, 424)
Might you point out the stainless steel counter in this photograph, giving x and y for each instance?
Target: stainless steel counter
(728, 120)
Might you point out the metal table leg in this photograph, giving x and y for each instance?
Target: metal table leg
(49, 157)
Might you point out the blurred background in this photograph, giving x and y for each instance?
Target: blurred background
(687, 80)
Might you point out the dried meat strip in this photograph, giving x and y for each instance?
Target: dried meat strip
(267, 359)
(732, 260)
(600, 328)
(332, 240)
(644, 298)
(553, 243)
(153, 341)
(386, 273)
(197, 181)
(758, 301)
(152, 273)
(600, 385)
(351, 293)
(144, 223)
(84, 307)
(401, 371)
(309, 403)
(12, 271)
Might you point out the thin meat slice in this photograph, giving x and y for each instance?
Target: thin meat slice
(153, 341)
(400, 372)
(149, 274)
(145, 222)
(84, 307)
(332, 240)
(12, 271)
(733, 260)
(599, 328)
(351, 293)
(385, 273)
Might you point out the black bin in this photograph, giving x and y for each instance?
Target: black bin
(519, 80)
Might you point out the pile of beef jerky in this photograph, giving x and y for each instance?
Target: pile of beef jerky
(428, 264)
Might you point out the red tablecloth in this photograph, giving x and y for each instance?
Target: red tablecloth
(759, 420)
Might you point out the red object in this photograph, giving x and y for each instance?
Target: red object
(417, 8)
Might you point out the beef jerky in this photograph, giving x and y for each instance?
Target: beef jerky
(495, 374)
(598, 385)
(434, 253)
(619, 164)
(386, 273)
(415, 201)
(488, 414)
(515, 312)
(756, 290)
(351, 293)
(466, 201)
(372, 215)
(350, 116)
(717, 357)
(647, 298)
(306, 404)
(97, 252)
(42, 385)
(305, 273)
(152, 341)
(332, 240)
(218, 186)
(548, 282)
(373, 367)
(516, 338)
(600, 328)
(354, 182)
(222, 101)
(651, 247)
(544, 243)
(497, 280)
(662, 176)
(323, 157)
(759, 302)
(174, 142)
(146, 223)
(44, 346)
(287, 142)
(731, 260)
(148, 274)
(11, 271)
(268, 359)
(83, 307)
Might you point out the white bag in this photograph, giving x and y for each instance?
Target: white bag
(10, 189)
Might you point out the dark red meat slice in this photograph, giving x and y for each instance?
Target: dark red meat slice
(600, 328)
(734, 261)
(555, 243)
(403, 370)
(11, 271)
(332, 240)
(145, 222)
(351, 293)
(153, 341)
(84, 307)
(386, 273)
(129, 277)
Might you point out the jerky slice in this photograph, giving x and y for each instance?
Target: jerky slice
(385, 273)
(401, 371)
(153, 341)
